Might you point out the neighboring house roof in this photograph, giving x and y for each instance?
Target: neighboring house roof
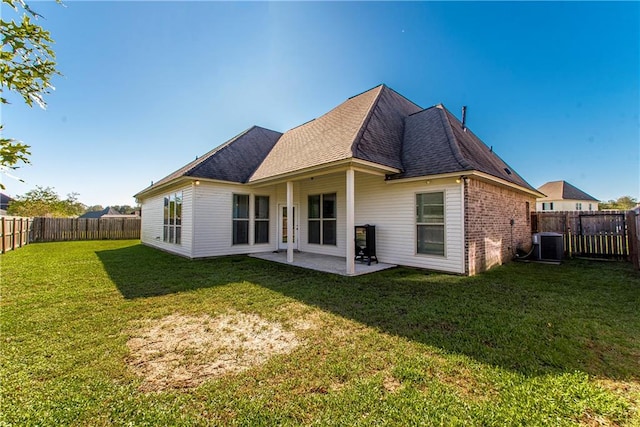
(108, 211)
(562, 190)
(379, 126)
(4, 201)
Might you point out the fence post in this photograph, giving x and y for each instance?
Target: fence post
(633, 237)
(20, 234)
(3, 234)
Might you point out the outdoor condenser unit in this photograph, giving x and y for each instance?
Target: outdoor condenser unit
(548, 246)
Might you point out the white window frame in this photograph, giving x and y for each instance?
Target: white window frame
(257, 220)
(322, 220)
(419, 224)
(172, 218)
(235, 219)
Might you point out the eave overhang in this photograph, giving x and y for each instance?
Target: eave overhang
(481, 176)
(325, 169)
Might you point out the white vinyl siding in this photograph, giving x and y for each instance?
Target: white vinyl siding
(566, 205)
(153, 221)
(391, 207)
(214, 217)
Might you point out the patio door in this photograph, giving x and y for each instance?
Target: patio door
(282, 227)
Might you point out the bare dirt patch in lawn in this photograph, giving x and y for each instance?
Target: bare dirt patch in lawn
(181, 351)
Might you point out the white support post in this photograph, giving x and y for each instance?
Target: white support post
(351, 222)
(290, 221)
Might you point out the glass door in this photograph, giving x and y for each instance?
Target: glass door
(282, 230)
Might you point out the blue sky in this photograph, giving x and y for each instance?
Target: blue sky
(147, 86)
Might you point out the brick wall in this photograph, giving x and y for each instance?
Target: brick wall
(490, 238)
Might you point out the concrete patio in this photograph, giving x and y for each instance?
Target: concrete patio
(324, 263)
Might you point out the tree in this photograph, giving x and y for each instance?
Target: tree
(45, 202)
(27, 66)
(623, 203)
(124, 209)
(94, 208)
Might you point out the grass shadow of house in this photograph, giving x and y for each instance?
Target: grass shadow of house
(140, 272)
(533, 319)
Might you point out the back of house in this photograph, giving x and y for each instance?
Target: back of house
(438, 196)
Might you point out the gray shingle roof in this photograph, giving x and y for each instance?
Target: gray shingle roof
(436, 143)
(368, 126)
(99, 214)
(380, 139)
(562, 190)
(379, 125)
(4, 201)
(234, 161)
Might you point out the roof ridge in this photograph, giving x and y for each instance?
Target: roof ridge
(368, 90)
(453, 142)
(424, 109)
(365, 122)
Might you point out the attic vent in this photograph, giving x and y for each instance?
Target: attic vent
(507, 171)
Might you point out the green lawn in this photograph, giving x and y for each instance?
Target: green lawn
(524, 344)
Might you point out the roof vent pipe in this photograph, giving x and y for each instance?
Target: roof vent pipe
(464, 118)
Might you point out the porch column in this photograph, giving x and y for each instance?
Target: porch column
(290, 221)
(351, 222)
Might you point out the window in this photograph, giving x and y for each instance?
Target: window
(578, 206)
(172, 224)
(240, 219)
(547, 206)
(261, 224)
(430, 223)
(322, 219)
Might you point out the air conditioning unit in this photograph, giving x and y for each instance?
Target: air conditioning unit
(548, 246)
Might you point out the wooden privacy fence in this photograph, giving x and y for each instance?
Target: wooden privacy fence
(65, 229)
(594, 234)
(15, 232)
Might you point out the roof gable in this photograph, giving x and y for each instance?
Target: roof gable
(562, 190)
(436, 143)
(323, 140)
(234, 161)
(427, 146)
(479, 156)
(380, 138)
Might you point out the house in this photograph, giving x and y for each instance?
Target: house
(562, 196)
(438, 196)
(4, 203)
(107, 212)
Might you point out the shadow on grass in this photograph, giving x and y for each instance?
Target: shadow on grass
(140, 271)
(530, 318)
